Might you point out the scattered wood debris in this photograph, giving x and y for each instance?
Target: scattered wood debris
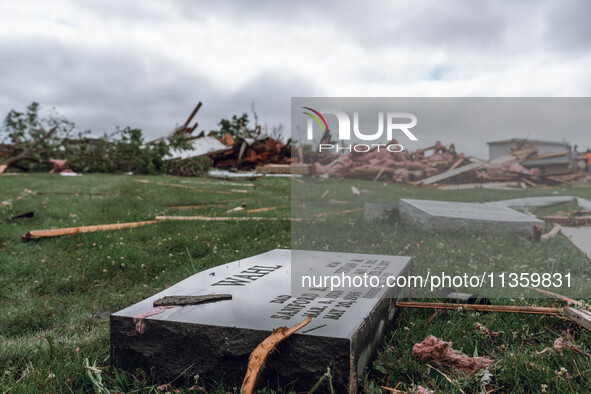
(552, 233)
(487, 331)
(536, 310)
(184, 187)
(571, 218)
(25, 215)
(561, 343)
(520, 164)
(536, 233)
(222, 218)
(339, 212)
(190, 300)
(261, 209)
(435, 349)
(259, 355)
(196, 206)
(38, 234)
(557, 296)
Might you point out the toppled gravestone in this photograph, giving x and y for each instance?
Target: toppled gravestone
(253, 297)
(465, 217)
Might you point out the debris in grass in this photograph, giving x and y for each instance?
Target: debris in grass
(222, 218)
(561, 343)
(259, 354)
(435, 349)
(579, 316)
(191, 300)
(261, 209)
(487, 331)
(20, 216)
(536, 233)
(552, 233)
(536, 310)
(338, 212)
(38, 234)
(556, 295)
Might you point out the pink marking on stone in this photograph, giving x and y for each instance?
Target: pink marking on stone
(140, 325)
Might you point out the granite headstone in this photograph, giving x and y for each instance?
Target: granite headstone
(465, 217)
(214, 340)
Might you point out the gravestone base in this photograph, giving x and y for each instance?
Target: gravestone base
(384, 212)
(215, 340)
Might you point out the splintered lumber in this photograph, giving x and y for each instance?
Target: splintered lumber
(38, 234)
(184, 187)
(558, 296)
(220, 218)
(450, 174)
(261, 209)
(549, 155)
(339, 212)
(186, 125)
(456, 164)
(536, 310)
(552, 233)
(191, 300)
(259, 355)
(580, 316)
(196, 206)
(517, 155)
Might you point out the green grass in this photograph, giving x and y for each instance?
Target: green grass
(50, 288)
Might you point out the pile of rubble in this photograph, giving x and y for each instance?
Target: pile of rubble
(246, 152)
(524, 164)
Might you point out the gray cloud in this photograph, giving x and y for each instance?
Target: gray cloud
(146, 64)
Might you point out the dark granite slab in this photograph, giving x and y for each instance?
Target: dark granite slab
(215, 339)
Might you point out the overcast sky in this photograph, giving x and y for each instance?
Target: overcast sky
(108, 63)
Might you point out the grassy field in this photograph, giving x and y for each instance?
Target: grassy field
(50, 289)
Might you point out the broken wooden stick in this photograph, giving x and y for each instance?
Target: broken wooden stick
(556, 295)
(260, 353)
(196, 206)
(338, 212)
(537, 310)
(38, 234)
(190, 300)
(261, 209)
(552, 233)
(222, 218)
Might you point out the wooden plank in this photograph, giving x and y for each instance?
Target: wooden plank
(549, 155)
(221, 218)
(519, 155)
(38, 234)
(536, 310)
(455, 165)
(450, 174)
(487, 185)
